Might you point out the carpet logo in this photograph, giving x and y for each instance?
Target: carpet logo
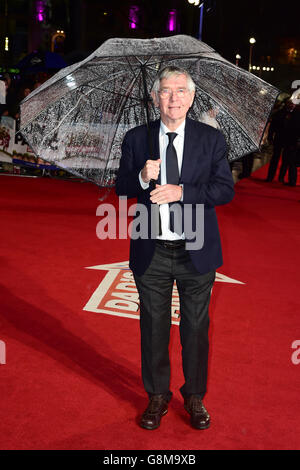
(2, 352)
(117, 293)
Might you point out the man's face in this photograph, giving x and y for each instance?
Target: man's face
(174, 100)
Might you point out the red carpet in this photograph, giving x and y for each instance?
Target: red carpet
(72, 376)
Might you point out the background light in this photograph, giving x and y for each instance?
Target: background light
(40, 11)
(133, 17)
(172, 20)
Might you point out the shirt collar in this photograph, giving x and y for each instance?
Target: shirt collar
(179, 130)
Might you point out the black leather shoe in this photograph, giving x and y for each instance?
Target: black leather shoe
(157, 407)
(200, 418)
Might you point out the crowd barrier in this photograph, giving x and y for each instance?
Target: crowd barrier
(16, 157)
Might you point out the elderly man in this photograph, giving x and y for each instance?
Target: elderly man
(191, 170)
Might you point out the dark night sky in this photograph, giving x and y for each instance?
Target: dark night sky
(228, 26)
(232, 23)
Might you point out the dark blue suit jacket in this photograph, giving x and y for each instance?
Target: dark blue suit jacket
(206, 179)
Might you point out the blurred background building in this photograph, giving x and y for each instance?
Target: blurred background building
(75, 28)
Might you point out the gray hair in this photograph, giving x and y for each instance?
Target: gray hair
(168, 72)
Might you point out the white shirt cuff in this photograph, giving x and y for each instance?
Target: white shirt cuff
(142, 183)
(181, 199)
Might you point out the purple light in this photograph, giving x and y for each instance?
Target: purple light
(172, 20)
(133, 17)
(40, 11)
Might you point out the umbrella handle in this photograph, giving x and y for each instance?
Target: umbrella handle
(146, 100)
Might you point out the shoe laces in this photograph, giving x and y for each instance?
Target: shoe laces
(155, 403)
(197, 405)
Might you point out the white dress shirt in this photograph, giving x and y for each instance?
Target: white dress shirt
(163, 143)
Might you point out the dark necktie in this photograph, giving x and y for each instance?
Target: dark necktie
(173, 178)
(171, 160)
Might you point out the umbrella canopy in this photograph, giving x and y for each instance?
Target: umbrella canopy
(78, 118)
(41, 62)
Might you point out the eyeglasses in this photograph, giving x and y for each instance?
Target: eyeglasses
(166, 93)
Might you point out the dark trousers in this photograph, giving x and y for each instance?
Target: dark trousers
(284, 165)
(278, 151)
(292, 162)
(155, 291)
(274, 161)
(247, 163)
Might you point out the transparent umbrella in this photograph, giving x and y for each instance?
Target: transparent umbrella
(78, 118)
